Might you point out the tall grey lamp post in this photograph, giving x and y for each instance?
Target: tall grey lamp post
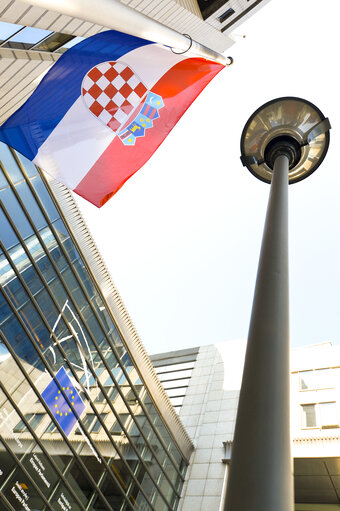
(283, 142)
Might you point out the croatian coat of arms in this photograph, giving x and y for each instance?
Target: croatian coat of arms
(118, 98)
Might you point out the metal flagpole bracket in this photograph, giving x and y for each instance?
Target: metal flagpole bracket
(114, 15)
(182, 52)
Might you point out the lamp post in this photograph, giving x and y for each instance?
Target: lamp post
(283, 142)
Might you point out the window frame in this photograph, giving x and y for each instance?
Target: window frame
(317, 386)
(318, 416)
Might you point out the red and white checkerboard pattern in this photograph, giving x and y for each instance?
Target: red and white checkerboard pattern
(112, 91)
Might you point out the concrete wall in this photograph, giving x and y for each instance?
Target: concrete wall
(209, 412)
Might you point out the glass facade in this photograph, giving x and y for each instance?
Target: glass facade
(79, 429)
(30, 38)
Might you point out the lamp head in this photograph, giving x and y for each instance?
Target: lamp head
(291, 126)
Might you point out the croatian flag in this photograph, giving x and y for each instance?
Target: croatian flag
(103, 109)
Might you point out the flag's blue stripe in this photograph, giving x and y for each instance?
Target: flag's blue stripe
(27, 129)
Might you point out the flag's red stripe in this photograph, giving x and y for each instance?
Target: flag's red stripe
(178, 88)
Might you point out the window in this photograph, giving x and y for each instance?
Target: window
(316, 379)
(7, 30)
(100, 398)
(97, 425)
(116, 427)
(54, 42)
(32, 38)
(69, 44)
(89, 377)
(329, 415)
(320, 415)
(226, 15)
(33, 420)
(51, 428)
(308, 416)
(91, 423)
(26, 38)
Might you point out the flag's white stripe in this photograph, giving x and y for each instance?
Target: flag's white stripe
(151, 62)
(75, 144)
(79, 139)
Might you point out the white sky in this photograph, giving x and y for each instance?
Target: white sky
(182, 237)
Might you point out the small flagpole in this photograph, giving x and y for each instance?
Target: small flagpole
(112, 14)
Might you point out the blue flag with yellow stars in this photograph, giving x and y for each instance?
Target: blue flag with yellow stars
(65, 413)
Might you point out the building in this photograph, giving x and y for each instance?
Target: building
(204, 384)
(84, 421)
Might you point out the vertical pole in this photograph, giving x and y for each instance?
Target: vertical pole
(260, 477)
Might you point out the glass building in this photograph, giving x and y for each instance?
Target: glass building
(84, 422)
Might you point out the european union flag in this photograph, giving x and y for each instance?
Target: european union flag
(65, 414)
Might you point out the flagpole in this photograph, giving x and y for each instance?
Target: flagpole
(117, 16)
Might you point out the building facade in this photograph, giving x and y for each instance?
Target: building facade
(84, 422)
(204, 384)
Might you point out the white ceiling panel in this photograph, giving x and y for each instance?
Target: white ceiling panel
(31, 16)
(47, 19)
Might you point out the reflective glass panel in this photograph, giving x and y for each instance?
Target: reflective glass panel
(309, 416)
(31, 205)
(9, 163)
(16, 213)
(317, 379)
(8, 29)
(46, 201)
(54, 41)
(72, 397)
(26, 38)
(70, 44)
(29, 167)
